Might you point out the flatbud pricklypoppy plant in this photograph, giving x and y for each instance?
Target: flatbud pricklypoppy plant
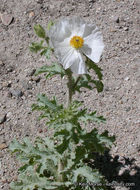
(65, 160)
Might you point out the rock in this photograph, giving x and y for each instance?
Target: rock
(40, 1)
(40, 130)
(17, 93)
(128, 109)
(5, 84)
(9, 83)
(3, 146)
(107, 88)
(127, 78)
(86, 14)
(10, 68)
(31, 73)
(8, 116)
(115, 149)
(36, 78)
(126, 28)
(31, 14)
(6, 19)
(116, 19)
(9, 94)
(1, 63)
(26, 85)
(2, 118)
(117, 87)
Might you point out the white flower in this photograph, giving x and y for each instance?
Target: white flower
(71, 38)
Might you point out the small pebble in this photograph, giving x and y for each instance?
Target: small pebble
(91, 1)
(127, 78)
(107, 88)
(3, 146)
(39, 1)
(9, 94)
(8, 116)
(116, 19)
(1, 63)
(31, 72)
(5, 84)
(17, 93)
(2, 118)
(6, 19)
(36, 78)
(31, 14)
(117, 87)
(128, 109)
(40, 130)
(126, 28)
(26, 85)
(9, 69)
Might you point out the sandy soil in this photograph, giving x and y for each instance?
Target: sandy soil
(119, 21)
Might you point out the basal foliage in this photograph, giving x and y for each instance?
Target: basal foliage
(62, 160)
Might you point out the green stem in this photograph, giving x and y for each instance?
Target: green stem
(77, 81)
(70, 87)
(60, 168)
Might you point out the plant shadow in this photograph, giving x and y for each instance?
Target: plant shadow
(119, 171)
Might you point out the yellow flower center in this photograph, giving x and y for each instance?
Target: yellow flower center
(76, 42)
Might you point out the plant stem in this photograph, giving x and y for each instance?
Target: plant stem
(60, 168)
(70, 87)
(78, 78)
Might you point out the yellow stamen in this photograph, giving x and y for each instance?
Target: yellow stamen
(76, 42)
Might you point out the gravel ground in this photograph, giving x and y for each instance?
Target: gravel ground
(119, 21)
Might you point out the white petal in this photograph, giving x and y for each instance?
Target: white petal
(86, 49)
(77, 26)
(89, 28)
(95, 42)
(68, 58)
(78, 67)
(59, 31)
(65, 28)
(65, 53)
(61, 47)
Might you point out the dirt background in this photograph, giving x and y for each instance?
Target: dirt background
(119, 21)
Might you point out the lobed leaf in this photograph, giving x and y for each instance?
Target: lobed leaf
(39, 30)
(52, 70)
(86, 81)
(92, 65)
(47, 52)
(36, 47)
(87, 173)
(45, 102)
(92, 117)
(106, 139)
